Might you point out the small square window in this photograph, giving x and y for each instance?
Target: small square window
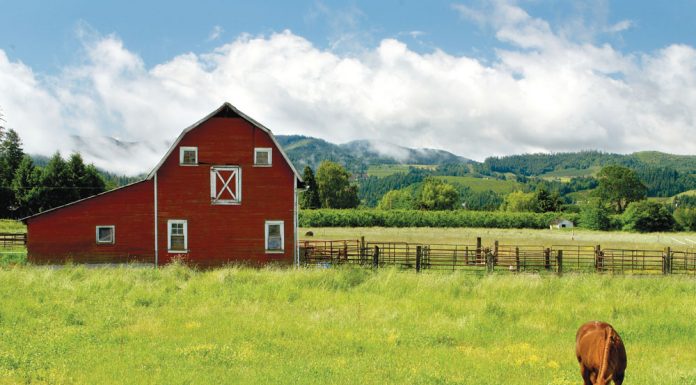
(188, 156)
(106, 234)
(263, 157)
(274, 236)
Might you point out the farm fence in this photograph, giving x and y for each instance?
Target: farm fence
(476, 258)
(12, 239)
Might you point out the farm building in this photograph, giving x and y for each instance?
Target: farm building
(561, 224)
(225, 192)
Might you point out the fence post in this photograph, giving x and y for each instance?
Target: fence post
(598, 258)
(419, 255)
(495, 251)
(547, 258)
(667, 261)
(362, 250)
(559, 262)
(489, 260)
(478, 249)
(375, 258)
(517, 259)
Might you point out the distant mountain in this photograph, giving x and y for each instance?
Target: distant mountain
(357, 155)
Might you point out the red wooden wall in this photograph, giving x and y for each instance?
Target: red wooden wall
(219, 234)
(69, 233)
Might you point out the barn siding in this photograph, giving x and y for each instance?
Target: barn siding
(219, 234)
(69, 233)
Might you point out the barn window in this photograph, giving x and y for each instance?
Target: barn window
(177, 238)
(225, 185)
(275, 239)
(263, 156)
(106, 234)
(188, 156)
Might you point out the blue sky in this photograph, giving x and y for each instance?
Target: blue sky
(479, 78)
(46, 34)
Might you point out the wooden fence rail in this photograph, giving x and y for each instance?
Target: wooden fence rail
(12, 239)
(512, 258)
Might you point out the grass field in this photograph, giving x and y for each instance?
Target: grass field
(568, 173)
(12, 255)
(382, 170)
(544, 237)
(331, 326)
(483, 184)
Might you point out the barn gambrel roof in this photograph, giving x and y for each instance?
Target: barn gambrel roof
(227, 110)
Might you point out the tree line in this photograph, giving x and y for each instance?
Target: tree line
(618, 198)
(27, 189)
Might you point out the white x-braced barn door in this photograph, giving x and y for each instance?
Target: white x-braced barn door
(225, 185)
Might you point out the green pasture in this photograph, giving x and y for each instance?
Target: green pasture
(12, 226)
(483, 184)
(521, 237)
(12, 255)
(567, 173)
(331, 326)
(383, 170)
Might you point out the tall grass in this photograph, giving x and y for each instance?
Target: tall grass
(337, 326)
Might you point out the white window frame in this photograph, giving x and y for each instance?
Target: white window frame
(113, 234)
(215, 194)
(267, 150)
(169, 235)
(282, 237)
(182, 150)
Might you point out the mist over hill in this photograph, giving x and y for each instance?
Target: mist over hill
(357, 155)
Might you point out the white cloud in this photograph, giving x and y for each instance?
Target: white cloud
(542, 93)
(621, 26)
(215, 33)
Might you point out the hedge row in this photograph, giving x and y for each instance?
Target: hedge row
(420, 218)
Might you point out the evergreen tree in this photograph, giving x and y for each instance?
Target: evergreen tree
(11, 149)
(310, 198)
(11, 154)
(25, 187)
(84, 180)
(92, 181)
(55, 186)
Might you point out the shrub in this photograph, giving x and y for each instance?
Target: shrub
(423, 218)
(646, 216)
(595, 216)
(686, 218)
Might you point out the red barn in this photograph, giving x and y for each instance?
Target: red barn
(224, 192)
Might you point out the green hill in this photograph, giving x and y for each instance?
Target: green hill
(358, 156)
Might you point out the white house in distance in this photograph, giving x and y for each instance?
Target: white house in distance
(561, 224)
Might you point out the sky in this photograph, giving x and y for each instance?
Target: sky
(478, 78)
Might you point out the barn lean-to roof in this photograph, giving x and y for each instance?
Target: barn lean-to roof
(227, 110)
(81, 200)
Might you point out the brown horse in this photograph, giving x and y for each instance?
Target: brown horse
(601, 354)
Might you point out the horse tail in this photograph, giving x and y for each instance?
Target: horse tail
(609, 336)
